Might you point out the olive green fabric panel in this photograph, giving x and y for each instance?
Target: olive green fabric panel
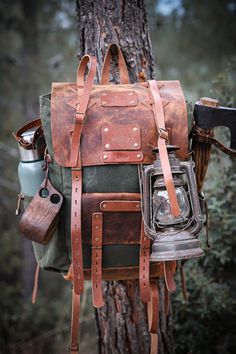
(114, 256)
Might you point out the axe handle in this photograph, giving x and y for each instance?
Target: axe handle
(201, 157)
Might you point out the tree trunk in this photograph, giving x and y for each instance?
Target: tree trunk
(122, 322)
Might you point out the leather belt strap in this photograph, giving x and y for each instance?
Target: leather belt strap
(36, 284)
(96, 268)
(124, 75)
(144, 266)
(202, 137)
(162, 140)
(74, 346)
(76, 239)
(76, 164)
(169, 271)
(153, 317)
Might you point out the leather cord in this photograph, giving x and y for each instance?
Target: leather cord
(203, 137)
(161, 143)
(124, 75)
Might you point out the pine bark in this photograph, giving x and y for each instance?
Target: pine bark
(122, 322)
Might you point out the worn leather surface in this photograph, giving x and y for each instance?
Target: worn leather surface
(144, 266)
(63, 108)
(41, 216)
(119, 227)
(96, 268)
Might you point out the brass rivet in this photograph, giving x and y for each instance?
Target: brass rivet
(131, 102)
(138, 206)
(96, 239)
(135, 129)
(135, 144)
(96, 227)
(105, 157)
(139, 156)
(104, 94)
(107, 146)
(131, 93)
(145, 238)
(104, 102)
(104, 206)
(106, 129)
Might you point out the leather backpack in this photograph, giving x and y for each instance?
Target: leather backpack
(97, 137)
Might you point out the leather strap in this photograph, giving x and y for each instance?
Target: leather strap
(96, 267)
(105, 76)
(162, 140)
(75, 311)
(38, 132)
(183, 282)
(169, 271)
(144, 266)
(76, 239)
(203, 137)
(36, 284)
(82, 104)
(166, 301)
(153, 317)
(76, 172)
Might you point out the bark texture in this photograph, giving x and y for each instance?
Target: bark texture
(122, 322)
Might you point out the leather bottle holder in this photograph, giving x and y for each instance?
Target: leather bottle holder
(40, 218)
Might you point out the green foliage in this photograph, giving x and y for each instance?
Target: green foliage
(206, 324)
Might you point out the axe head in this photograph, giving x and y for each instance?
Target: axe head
(208, 117)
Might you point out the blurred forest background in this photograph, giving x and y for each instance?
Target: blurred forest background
(193, 41)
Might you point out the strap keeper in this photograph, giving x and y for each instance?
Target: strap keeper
(163, 133)
(79, 120)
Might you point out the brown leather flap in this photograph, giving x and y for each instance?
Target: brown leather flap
(121, 217)
(98, 116)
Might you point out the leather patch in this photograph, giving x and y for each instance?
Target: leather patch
(118, 227)
(118, 98)
(120, 205)
(121, 137)
(122, 156)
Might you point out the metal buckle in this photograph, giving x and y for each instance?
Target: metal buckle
(163, 133)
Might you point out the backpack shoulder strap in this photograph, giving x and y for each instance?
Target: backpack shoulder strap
(162, 141)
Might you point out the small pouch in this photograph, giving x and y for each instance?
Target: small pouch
(40, 218)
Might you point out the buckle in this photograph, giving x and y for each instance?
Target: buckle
(163, 133)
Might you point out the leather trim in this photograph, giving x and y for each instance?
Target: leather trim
(118, 98)
(120, 205)
(122, 156)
